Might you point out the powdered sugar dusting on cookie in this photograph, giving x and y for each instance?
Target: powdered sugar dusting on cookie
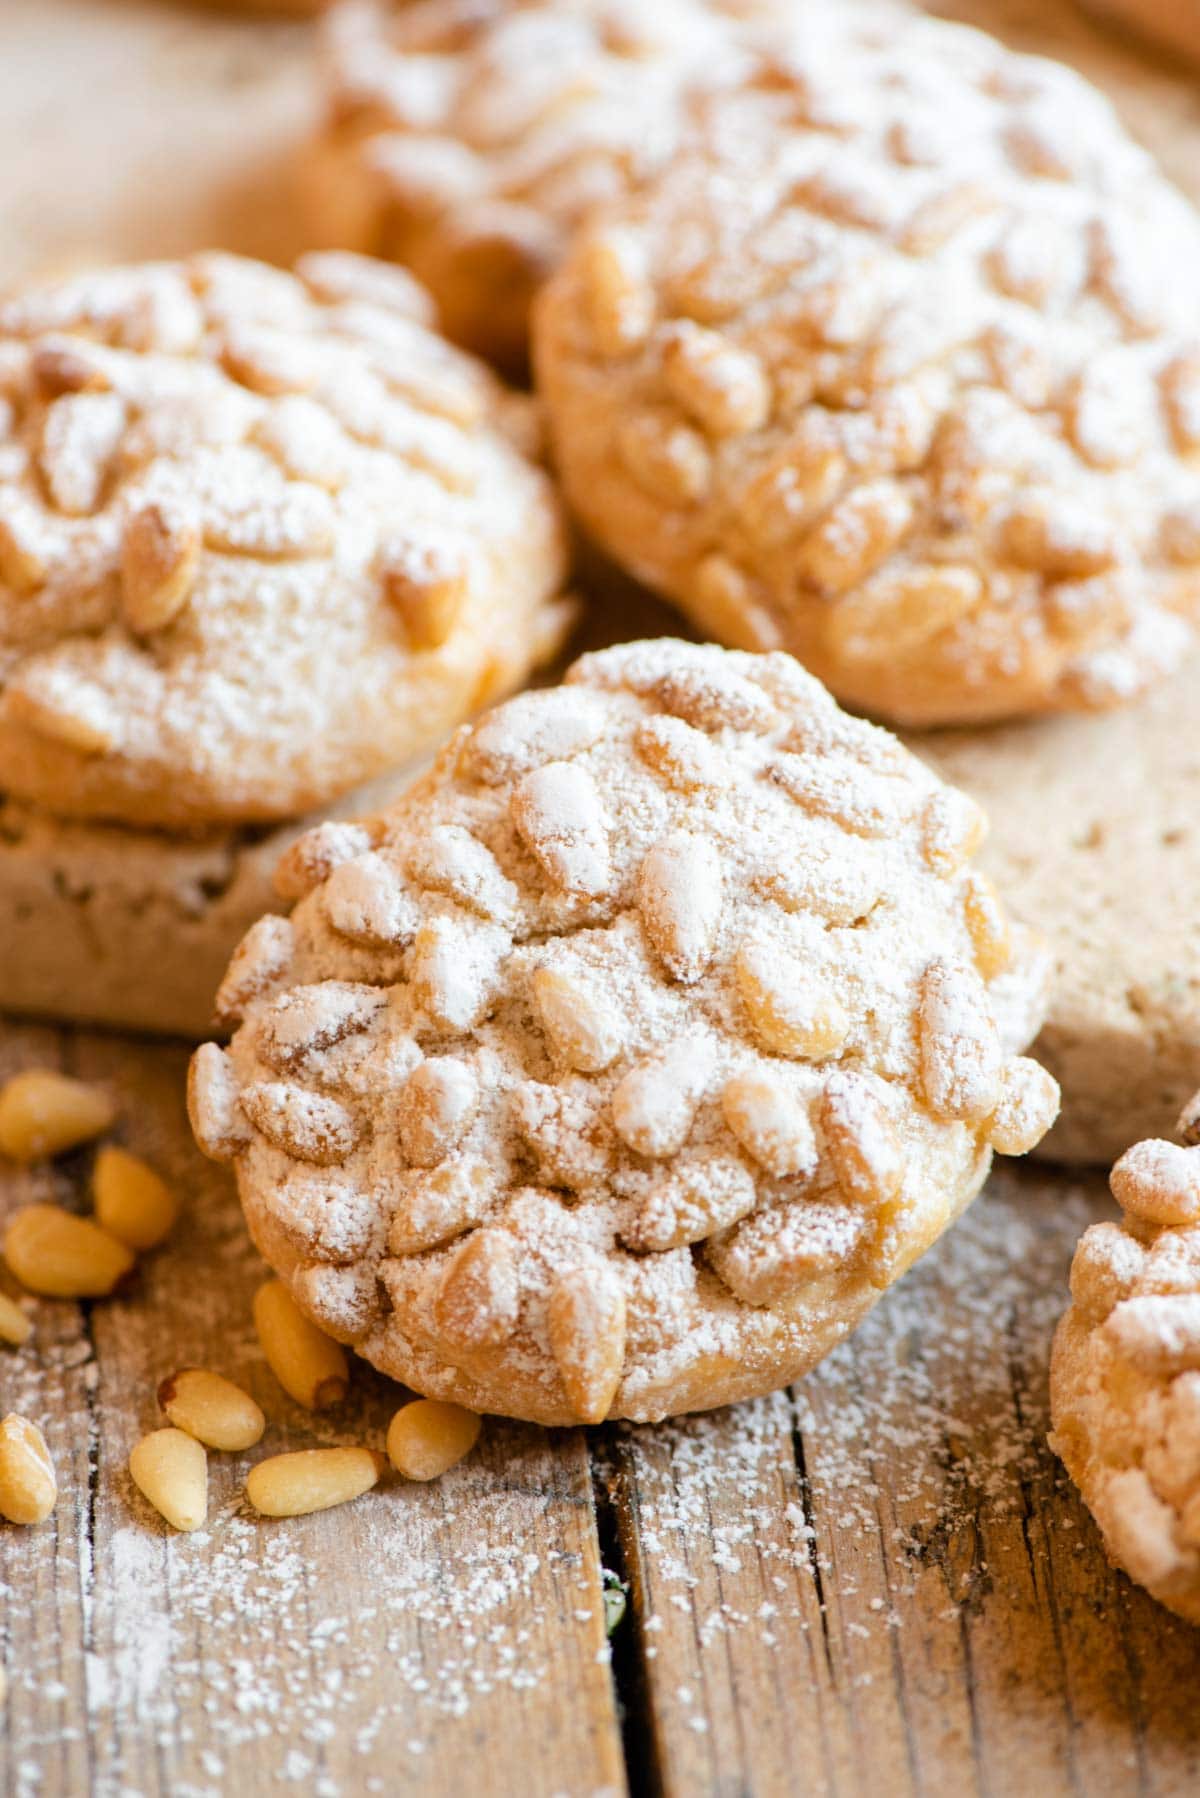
(262, 536)
(470, 142)
(725, 1049)
(790, 1494)
(925, 318)
(1125, 1379)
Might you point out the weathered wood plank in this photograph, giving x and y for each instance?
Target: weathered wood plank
(887, 1582)
(425, 1639)
(44, 1597)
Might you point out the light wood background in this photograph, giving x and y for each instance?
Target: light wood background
(879, 1583)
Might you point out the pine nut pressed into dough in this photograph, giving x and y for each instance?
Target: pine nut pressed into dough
(309, 1366)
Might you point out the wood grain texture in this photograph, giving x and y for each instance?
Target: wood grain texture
(951, 1625)
(402, 1644)
(881, 1583)
(884, 1581)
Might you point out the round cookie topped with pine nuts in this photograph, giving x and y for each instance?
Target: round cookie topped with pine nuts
(469, 141)
(262, 537)
(621, 1065)
(1125, 1373)
(895, 365)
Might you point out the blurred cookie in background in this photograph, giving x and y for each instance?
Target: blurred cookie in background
(468, 138)
(893, 365)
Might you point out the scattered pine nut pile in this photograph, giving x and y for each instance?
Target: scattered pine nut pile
(55, 1254)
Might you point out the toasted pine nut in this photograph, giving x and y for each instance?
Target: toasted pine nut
(309, 1366)
(28, 1488)
(15, 1326)
(63, 1256)
(312, 1479)
(211, 1408)
(133, 1203)
(427, 1437)
(170, 1468)
(42, 1113)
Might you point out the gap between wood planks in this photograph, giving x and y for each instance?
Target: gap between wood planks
(882, 1580)
(427, 1638)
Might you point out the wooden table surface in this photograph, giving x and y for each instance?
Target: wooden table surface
(880, 1582)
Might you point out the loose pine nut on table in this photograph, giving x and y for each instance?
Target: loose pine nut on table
(133, 1203)
(43, 1113)
(170, 1469)
(312, 1479)
(879, 1581)
(427, 1437)
(55, 1253)
(309, 1365)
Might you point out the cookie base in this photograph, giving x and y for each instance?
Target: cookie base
(134, 928)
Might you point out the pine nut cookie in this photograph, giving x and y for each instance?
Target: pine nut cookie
(468, 138)
(634, 1052)
(262, 537)
(1125, 1372)
(895, 365)
(1095, 844)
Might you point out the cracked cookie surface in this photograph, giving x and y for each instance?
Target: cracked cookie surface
(895, 365)
(262, 537)
(619, 1066)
